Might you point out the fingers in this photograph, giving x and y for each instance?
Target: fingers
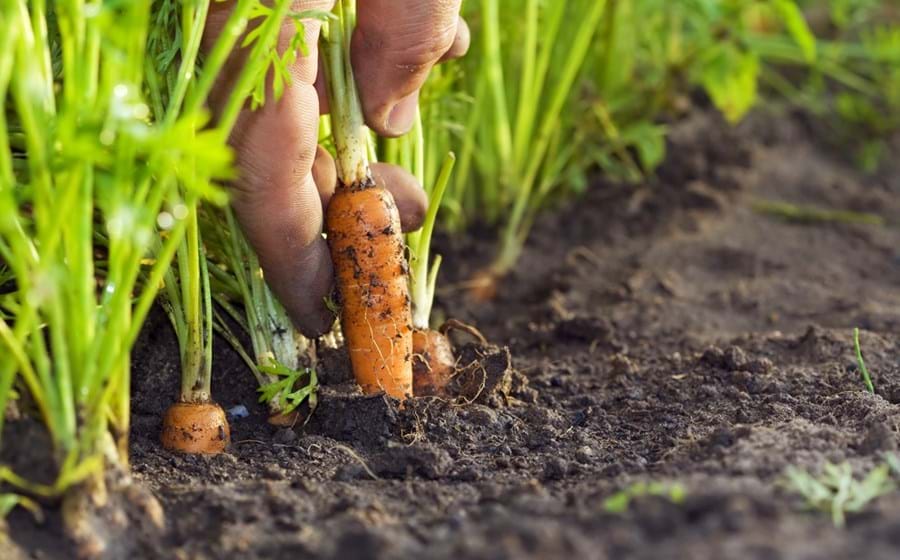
(324, 175)
(279, 206)
(276, 198)
(395, 44)
(412, 203)
(461, 42)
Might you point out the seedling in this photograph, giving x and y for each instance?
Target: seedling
(837, 492)
(554, 90)
(621, 500)
(433, 359)
(811, 215)
(862, 364)
(195, 423)
(520, 135)
(85, 157)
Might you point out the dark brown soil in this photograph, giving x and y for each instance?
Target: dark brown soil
(666, 332)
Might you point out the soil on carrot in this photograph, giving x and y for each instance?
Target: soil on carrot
(668, 332)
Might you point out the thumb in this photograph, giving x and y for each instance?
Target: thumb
(395, 44)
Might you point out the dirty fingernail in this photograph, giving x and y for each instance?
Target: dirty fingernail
(400, 118)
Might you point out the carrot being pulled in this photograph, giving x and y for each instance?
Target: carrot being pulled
(364, 235)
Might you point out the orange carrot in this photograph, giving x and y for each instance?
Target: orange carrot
(433, 362)
(195, 428)
(364, 234)
(370, 266)
(283, 420)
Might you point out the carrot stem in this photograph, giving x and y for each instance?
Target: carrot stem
(347, 123)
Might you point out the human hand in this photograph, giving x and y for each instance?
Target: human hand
(286, 179)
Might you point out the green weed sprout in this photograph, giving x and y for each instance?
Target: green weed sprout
(621, 500)
(278, 349)
(837, 492)
(862, 364)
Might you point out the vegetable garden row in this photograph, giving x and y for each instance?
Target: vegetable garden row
(114, 187)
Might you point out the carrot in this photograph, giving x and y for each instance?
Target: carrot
(368, 253)
(195, 428)
(433, 362)
(284, 420)
(364, 235)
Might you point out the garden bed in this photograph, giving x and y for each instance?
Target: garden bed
(667, 332)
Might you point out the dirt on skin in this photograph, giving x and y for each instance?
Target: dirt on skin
(665, 332)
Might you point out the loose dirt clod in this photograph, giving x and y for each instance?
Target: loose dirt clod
(484, 375)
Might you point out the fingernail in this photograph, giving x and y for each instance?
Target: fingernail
(400, 118)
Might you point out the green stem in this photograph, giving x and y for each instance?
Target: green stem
(511, 240)
(423, 274)
(862, 364)
(494, 67)
(232, 31)
(256, 66)
(347, 123)
(527, 86)
(195, 382)
(189, 52)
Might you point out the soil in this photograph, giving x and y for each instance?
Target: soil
(667, 332)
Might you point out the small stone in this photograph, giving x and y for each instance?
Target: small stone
(237, 412)
(585, 454)
(734, 358)
(285, 436)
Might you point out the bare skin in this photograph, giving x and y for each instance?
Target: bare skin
(286, 179)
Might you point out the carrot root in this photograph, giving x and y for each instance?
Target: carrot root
(368, 252)
(198, 428)
(433, 362)
(283, 420)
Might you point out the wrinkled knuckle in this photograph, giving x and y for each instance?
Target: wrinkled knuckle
(423, 49)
